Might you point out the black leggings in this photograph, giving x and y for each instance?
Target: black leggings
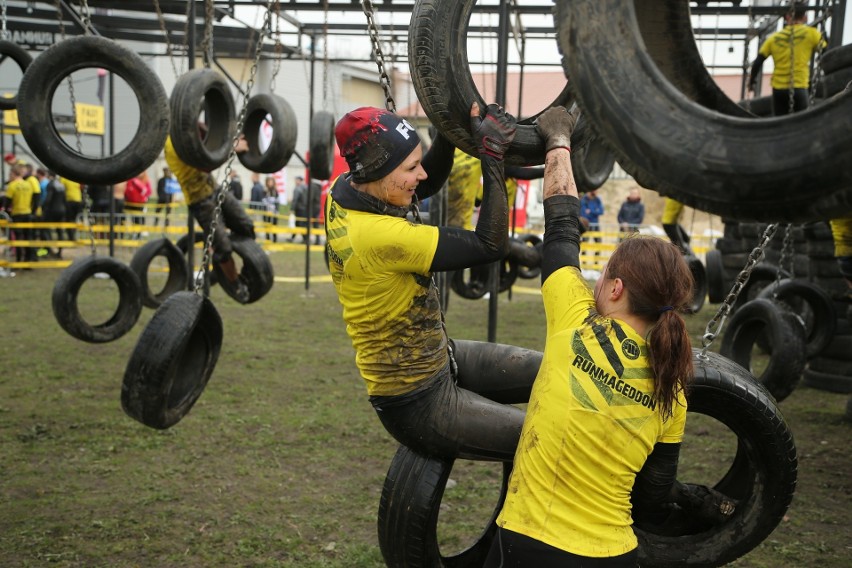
(514, 550)
(781, 101)
(469, 417)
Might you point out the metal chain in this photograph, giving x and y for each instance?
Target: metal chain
(714, 326)
(223, 186)
(791, 97)
(325, 62)
(165, 31)
(4, 33)
(746, 62)
(278, 48)
(786, 258)
(818, 72)
(207, 39)
(384, 79)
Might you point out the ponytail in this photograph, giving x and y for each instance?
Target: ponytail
(670, 355)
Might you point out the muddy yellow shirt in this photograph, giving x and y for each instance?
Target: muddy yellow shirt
(73, 191)
(380, 268)
(20, 192)
(841, 231)
(194, 183)
(591, 424)
(805, 40)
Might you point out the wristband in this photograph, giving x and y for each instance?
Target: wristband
(557, 147)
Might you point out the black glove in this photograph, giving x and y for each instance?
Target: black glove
(555, 126)
(493, 133)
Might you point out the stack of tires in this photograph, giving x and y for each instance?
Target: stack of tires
(831, 370)
(836, 65)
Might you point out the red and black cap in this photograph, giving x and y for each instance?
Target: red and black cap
(374, 142)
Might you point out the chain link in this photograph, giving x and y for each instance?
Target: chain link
(384, 79)
(791, 97)
(223, 186)
(207, 39)
(818, 72)
(278, 47)
(4, 33)
(714, 326)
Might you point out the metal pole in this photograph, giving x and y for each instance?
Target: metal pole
(190, 222)
(111, 152)
(308, 179)
(500, 96)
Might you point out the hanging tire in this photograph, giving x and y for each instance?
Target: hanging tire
(183, 245)
(834, 83)
(592, 162)
(762, 477)
(471, 283)
(172, 361)
(836, 58)
(178, 274)
(665, 146)
(256, 269)
(282, 119)
(438, 63)
(321, 145)
(785, 334)
(23, 59)
(35, 98)
(820, 327)
(699, 279)
(715, 277)
(533, 268)
(408, 514)
(67, 288)
(202, 91)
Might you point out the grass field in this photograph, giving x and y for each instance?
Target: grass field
(282, 460)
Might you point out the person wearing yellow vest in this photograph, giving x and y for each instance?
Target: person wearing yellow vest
(198, 187)
(21, 200)
(791, 50)
(73, 204)
(672, 210)
(841, 232)
(608, 401)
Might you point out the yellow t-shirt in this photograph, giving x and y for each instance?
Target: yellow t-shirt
(841, 231)
(671, 211)
(194, 183)
(805, 40)
(73, 192)
(20, 192)
(380, 268)
(590, 425)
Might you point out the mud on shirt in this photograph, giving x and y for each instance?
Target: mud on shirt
(590, 425)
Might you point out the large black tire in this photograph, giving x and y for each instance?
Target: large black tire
(202, 91)
(67, 287)
(471, 283)
(592, 161)
(715, 277)
(437, 48)
(708, 160)
(759, 106)
(762, 477)
(833, 83)
(35, 98)
(700, 285)
(830, 382)
(408, 514)
(172, 361)
(785, 333)
(321, 145)
(820, 328)
(836, 58)
(256, 269)
(20, 56)
(282, 119)
(178, 272)
(533, 267)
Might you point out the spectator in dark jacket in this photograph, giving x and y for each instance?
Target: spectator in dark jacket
(632, 212)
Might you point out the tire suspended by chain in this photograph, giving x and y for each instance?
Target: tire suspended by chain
(67, 289)
(665, 146)
(22, 58)
(203, 119)
(592, 161)
(173, 360)
(529, 266)
(321, 145)
(760, 483)
(35, 99)
(256, 271)
(813, 304)
(183, 245)
(785, 335)
(268, 111)
(177, 270)
(440, 73)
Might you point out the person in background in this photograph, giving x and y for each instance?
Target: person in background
(632, 212)
(22, 202)
(136, 194)
(235, 186)
(53, 208)
(608, 401)
(73, 204)
(672, 211)
(440, 397)
(269, 202)
(299, 206)
(841, 233)
(199, 194)
(258, 192)
(164, 196)
(791, 50)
